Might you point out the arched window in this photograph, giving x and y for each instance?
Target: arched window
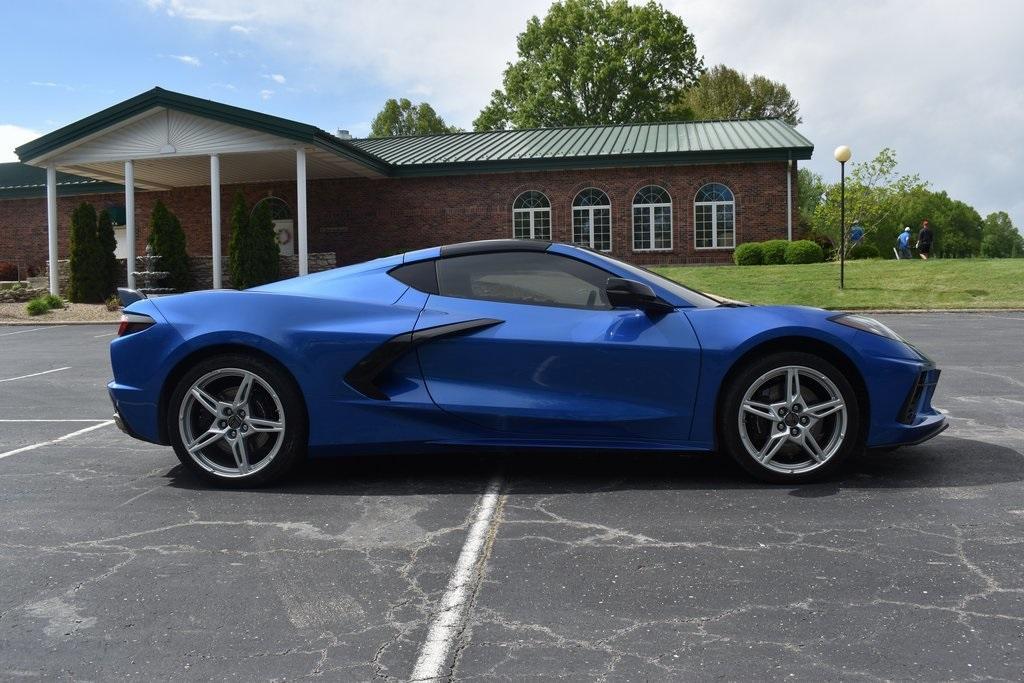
(652, 219)
(531, 216)
(714, 217)
(592, 220)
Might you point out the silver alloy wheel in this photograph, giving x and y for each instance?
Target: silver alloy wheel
(231, 422)
(792, 419)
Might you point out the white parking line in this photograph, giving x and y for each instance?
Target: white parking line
(57, 440)
(452, 611)
(108, 334)
(96, 419)
(35, 374)
(34, 329)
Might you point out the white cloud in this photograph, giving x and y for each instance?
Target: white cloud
(937, 80)
(12, 136)
(187, 59)
(266, 94)
(51, 84)
(238, 28)
(277, 78)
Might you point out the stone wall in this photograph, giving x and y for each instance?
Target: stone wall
(201, 268)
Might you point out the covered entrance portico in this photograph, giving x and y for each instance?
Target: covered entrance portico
(162, 140)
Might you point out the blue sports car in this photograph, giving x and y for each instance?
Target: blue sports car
(509, 343)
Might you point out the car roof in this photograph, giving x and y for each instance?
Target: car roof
(491, 246)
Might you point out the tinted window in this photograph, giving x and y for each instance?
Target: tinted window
(419, 275)
(524, 278)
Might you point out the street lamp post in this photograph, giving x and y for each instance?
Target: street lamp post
(842, 155)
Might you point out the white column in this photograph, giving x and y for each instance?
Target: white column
(129, 220)
(300, 179)
(215, 218)
(789, 200)
(51, 226)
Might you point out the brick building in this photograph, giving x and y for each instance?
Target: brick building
(650, 193)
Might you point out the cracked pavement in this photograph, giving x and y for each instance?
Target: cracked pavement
(117, 564)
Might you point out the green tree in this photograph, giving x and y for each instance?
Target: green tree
(874, 190)
(402, 117)
(999, 237)
(107, 244)
(810, 187)
(253, 255)
(168, 242)
(595, 62)
(87, 268)
(724, 93)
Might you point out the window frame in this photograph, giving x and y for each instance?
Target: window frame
(714, 218)
(649, 210)
(531, 212)
(547, 254)
(589, 210)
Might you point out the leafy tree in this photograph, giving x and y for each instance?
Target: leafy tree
(107, 244)
(87, 266)
(595, 62)
(724, 93)
(999, 237)
(810, 187)
(874, 191)
(253, 255)
(168, 242)
(402, 117)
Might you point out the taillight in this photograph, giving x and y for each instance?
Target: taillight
(133, 322)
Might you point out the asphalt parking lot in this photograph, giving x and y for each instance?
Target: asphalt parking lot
(116, 564)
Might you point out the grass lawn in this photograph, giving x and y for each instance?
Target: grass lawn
(939, 283)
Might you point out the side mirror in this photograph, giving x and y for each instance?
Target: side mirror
(632, 294)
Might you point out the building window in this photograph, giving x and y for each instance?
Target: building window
(592, 220)
(652, 219)
(714, 217)
(531, 216)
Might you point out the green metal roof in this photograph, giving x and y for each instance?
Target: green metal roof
(586, 146)
(21, 180)
(648, 144)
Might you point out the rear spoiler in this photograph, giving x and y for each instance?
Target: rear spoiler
(129, 296)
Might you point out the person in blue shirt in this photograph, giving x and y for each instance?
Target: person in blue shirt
(903, 244)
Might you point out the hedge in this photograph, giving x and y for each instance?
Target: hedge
(749, 254)
(774, 252)
(804, 251)
(862, 251)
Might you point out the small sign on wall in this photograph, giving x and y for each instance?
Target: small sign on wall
(285, 231)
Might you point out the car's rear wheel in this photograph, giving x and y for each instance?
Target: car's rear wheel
(790, 417)
(237, 420)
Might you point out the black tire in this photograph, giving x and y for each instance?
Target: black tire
(292, 447)
(846, 440)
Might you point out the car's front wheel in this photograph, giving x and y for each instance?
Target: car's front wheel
(790, 417)
(237, 420)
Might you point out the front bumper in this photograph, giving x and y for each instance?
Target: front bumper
(915, 420)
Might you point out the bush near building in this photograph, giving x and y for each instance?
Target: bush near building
(253, 255)
(88, 278)
(107, 246)
(774, 252)
(168, 242)
(749, 254)
(804, 251)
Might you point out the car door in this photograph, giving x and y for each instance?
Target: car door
(545, 356)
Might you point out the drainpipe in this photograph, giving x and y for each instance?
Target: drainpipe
(789, 197)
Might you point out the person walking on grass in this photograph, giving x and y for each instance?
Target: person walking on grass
(924, 241)
(903, 245)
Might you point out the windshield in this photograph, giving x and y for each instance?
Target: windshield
(692, 296)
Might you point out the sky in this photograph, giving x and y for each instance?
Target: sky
(940, 82)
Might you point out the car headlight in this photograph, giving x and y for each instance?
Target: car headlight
(866, 324)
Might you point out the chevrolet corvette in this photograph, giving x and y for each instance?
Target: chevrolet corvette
(510, 344)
